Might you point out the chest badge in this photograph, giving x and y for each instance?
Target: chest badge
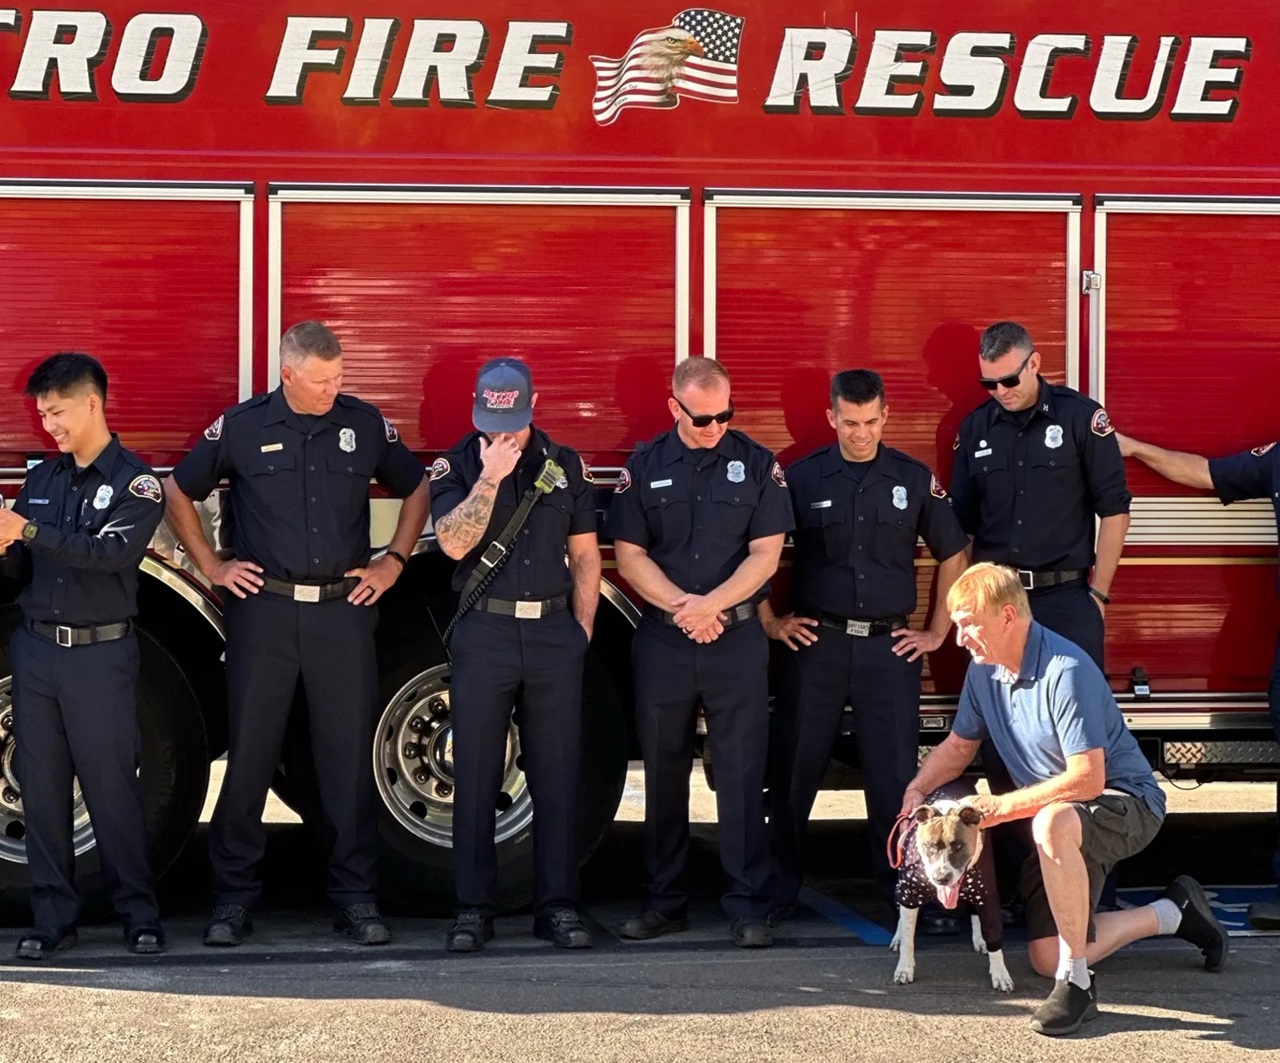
(900, 497)
(737, 472)
(1053, 436)
(347, 440)
(103, 498)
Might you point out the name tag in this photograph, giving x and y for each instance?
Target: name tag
(660, 483)
(268, 447)
(982, 453)
(825, 504)
(37, 501)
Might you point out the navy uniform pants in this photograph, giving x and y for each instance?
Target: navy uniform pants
(499, 662)
(729, 678)
(818, 681)
(1273, 700)
(272, 642)
(75, 712)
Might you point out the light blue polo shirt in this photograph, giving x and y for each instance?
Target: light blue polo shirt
(1058, 706)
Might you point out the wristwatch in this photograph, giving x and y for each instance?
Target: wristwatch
(30, 530)
(1104, 599)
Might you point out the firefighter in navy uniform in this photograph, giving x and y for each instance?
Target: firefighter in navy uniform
(698, 519)
(299, 461)
(522, 639)
(1249, 474)
(1034, 465)
(79, 528)
(860, 507)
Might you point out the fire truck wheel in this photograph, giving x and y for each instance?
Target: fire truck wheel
(174, 773)
(413, 769)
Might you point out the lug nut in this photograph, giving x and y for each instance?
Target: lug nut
(443, 789)
(10, 797)
(436, 706)
(6, 721)
(411, 749)
(420, 776)
(417, 725)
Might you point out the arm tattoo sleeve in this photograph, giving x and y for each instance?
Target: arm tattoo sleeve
(462, 527)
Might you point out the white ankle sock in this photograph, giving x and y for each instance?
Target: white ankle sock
(1072, 968)
(1168, 916)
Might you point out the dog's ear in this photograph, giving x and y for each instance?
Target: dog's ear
(970, 815)
(924, 813)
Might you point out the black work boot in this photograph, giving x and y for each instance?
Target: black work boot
(650, 924)
(1067, 1009)
(751, 932)
(362, 923)
(1199, 925)
(144, 938)
(563, 928)
(469, 932)
(41, 942)
(1265, 915)
(231, 924)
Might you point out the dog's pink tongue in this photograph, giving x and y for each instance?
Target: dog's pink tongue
(949, 896)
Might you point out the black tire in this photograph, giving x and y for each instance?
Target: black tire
(416, 874)
(174, 772)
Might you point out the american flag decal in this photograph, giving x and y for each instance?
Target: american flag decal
(696, 56)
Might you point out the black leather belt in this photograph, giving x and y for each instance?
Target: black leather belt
(523, 610)
(65, 635)
(737, 614)
(1034, 581)
(861, 628)
(311, 592)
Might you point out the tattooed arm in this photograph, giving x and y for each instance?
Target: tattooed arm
(459, 531)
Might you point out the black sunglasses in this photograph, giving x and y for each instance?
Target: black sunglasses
(1006, 381)
(701, 420)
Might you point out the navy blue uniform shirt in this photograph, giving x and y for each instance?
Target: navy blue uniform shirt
(697, 510)
(856, 541)
(300, 484)
(95, 526)
(1250, 474)
(1027, 485)
(536, 569)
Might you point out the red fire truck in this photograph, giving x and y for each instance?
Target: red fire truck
(604, 189)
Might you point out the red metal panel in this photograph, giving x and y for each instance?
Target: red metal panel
(422, 295)
(151, 289)
(1193, 333)
(802, 294)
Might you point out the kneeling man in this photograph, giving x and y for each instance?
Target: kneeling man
(1083, 782)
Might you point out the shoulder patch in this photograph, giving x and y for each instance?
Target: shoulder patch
(1101, 424)
(392, 435)
(440, 467)
(147, 486)
(1258, 452)
(956, 444)
(586, 470)
(779, 477)
(624, 481)
(214, 432)
(935, 488)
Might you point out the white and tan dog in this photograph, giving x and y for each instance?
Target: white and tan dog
(943, 856)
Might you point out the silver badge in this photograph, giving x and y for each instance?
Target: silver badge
(1053, 436)
(900, 497)
(103, 498)
(737, 472)
(347, 440)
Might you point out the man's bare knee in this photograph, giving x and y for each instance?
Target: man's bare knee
(1043, 954)
(1057, 827)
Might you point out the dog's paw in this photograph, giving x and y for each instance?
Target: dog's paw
(1002, 981)
(979, 946)
(904, 975)
(896, 944)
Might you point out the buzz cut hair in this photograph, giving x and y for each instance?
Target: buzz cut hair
(701, 373)
(856, 386)
(986, 588)
(309, 339)
(67, 373)
(1001, 338)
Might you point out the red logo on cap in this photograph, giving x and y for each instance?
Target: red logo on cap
(500, 400)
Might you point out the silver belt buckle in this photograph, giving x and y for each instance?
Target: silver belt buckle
(862, 628)
(305, 594)
(1027, 578)
(528, 610)
(62, 635)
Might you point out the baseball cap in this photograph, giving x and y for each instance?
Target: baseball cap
(504, 392)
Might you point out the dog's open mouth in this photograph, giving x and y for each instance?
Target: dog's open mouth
(949, 896)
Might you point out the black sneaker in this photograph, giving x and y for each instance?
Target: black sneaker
(650, 924)
(1067, 1008)
(362, 923)
(1199, 925)
(469, 932)
(1265, 915)
(41, 942)
(230, 925)
(563, 928)
(751, 932)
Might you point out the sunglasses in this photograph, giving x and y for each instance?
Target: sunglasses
(1007, 382)
(702, 420)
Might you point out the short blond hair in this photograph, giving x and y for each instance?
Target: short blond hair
(701, 373)
(986, 588)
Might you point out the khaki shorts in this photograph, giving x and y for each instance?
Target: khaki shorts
(1113, 826)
